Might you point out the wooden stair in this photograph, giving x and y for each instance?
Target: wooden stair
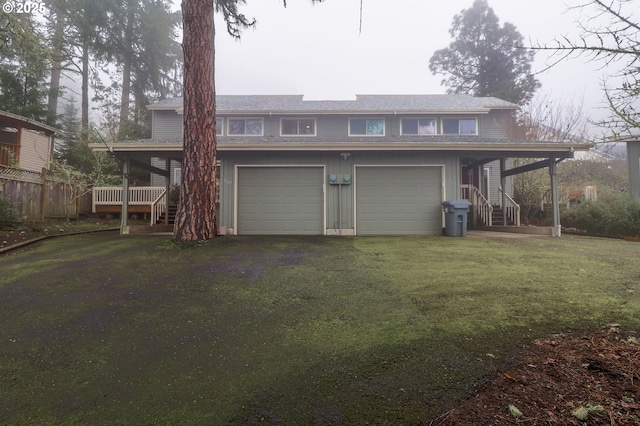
(171, 211)
(496, 218)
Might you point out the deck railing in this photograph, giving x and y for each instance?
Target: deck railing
(465, 191)
(158, 207)
(482, 208)
(512, 208)
(153, 196)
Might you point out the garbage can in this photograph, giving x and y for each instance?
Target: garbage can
(455, 218)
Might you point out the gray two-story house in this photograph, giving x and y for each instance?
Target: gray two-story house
(375, 165)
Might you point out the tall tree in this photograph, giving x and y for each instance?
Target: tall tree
(610, 32)
(143, 43)
(196, 217)
(24, 66)
(484, 58)
(88, 22)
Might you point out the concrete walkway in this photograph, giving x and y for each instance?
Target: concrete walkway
(495, 234)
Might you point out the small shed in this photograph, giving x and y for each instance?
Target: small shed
(25, 143)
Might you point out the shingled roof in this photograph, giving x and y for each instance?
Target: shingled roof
(361, 104)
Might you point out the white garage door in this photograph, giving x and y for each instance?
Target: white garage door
(280, 200)
(398, 200)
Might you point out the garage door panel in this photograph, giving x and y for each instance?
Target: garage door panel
(280, 200)
(398, 200)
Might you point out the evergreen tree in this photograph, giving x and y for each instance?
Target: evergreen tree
(24, 66)
(484, 58)
(144, 46)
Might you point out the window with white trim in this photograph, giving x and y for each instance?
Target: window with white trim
(244, 126)
(298, 127)
(459, 126)
(219, 126)
(418, 126)
(366, 127)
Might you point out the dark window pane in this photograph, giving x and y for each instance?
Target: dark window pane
(375, 127)
(253, 127)
(218, 126)
(450, 126)
(468, 127)
(409, 126)
(307, 127)
(289, 127)
(358, 127)
(427, 127)
(236, 127)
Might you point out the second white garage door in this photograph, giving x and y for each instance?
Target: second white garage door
(280, 200)
(398, 200)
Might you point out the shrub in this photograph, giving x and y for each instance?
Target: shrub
(611, 214)
(8, 214)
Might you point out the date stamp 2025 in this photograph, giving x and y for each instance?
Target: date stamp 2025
(10, 6)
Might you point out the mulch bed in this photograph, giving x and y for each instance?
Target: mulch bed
(565, 379)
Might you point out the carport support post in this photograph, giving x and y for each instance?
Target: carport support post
(553, 171)
(503, 184)
(633, 163)
(124, 227)
(167, 187)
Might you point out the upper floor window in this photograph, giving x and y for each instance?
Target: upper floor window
(459, 126)
(298, 126)
(418, 126)
(244, 126)
(366, 127)
(219, 126)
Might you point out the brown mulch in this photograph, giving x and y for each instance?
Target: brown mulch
(11, 238)
(565, 379)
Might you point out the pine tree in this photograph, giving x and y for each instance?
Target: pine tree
(484, 58)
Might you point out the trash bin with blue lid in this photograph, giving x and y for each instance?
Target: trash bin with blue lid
(455, 217)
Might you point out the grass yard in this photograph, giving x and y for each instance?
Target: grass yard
(103, 329)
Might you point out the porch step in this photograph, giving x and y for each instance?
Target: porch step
(496, 218)
(171, 211)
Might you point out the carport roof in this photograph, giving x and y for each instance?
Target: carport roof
(397, 143)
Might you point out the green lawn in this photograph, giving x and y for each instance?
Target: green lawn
(103, 329)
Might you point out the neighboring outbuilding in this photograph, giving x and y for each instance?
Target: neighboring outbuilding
(25, 143)
(374, 165)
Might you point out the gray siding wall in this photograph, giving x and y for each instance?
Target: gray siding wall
(157, 180)
(166, 125)
(494, 124)
(334, 164)
(494, 180)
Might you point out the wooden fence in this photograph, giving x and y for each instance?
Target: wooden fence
(24, 189)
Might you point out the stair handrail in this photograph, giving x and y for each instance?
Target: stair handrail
(482, 208)
(158, 207)
(512, 208)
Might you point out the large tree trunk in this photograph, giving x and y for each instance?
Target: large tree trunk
(56, 65)
(196, 217)
(126, 75)
(124, 102)
(84, 121)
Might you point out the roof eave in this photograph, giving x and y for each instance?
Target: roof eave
(305, 146)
